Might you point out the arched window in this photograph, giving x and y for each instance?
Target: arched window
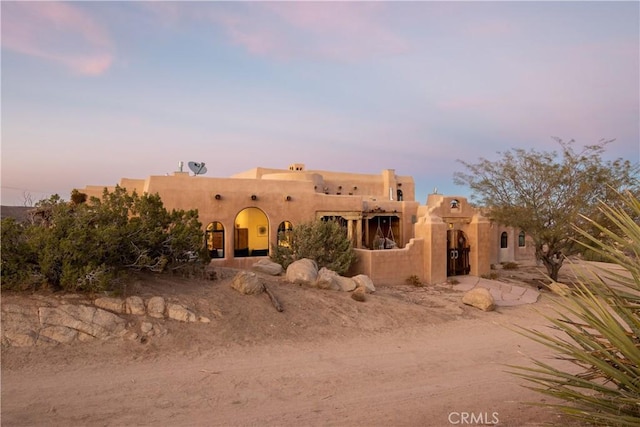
(455, 204)
(503, 240)
(284, 233)
(399, 194)
(215, 239)
(521, 239)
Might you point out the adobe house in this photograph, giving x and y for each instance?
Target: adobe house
(394, 236)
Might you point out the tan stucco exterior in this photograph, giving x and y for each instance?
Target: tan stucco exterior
(243, 213)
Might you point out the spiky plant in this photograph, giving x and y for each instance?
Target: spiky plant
(597, 330)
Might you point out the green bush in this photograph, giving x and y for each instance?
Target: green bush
(18, 259)
(78, 246)
(597, 329)
(325, 242)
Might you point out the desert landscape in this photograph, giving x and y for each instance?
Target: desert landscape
(407, 356)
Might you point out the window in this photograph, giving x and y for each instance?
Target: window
(284, 234)
(521, 239)
(455, 204)
(503, 240)
(215, 239)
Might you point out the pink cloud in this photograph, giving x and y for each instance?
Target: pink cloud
(335, 31)
(57, 32)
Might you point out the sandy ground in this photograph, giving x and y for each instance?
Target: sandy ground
(408, 356)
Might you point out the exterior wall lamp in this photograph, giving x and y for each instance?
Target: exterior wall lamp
(287, 198)
(254, 197)
(217, 197)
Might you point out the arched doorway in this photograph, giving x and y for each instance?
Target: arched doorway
(251, 233)
(457, 253)
(214, 237)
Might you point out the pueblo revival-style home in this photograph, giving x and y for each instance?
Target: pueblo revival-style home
(394, 236)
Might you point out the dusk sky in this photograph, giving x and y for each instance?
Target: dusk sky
(96, 91)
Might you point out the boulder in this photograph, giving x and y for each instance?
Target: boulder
(480, 298)
(302, 272)
(359, 294)
(134, 305)
(247, 283)
(146, 327)
(268, 267)
(158, 330)
(364, 281)
(181, 313)
(328, 279)
(57, 335)
(90, 321)
(131, 336)
(19, 325)
(16, 338)
(156, 307)
(347, 284)
(115, 305)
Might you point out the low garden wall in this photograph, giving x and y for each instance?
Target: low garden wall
(391, 266)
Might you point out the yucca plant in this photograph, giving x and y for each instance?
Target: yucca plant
(597, 329)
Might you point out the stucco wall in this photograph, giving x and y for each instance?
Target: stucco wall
(297, 196)
(391, 266)
(513, 252)
(433, 232)
(480, 256)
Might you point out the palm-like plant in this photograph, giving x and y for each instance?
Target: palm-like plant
(597, 330)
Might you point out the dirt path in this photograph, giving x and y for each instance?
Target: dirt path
(423, 375)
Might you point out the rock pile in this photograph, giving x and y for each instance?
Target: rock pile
(305, 272)
(58, 322)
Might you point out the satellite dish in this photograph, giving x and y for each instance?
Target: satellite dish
(197, 168)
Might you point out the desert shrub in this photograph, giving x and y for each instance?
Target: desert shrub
(414, 280)
(510, 266)
(597, 329)
(18, 260)
(80, 246)
(325, 242)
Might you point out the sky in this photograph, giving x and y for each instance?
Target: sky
(96, 91)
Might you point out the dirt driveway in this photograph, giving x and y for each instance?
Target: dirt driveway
(406, 357)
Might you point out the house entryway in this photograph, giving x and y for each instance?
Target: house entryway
(457, 253)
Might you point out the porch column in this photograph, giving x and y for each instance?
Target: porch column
(350, 231)
(366, 232)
